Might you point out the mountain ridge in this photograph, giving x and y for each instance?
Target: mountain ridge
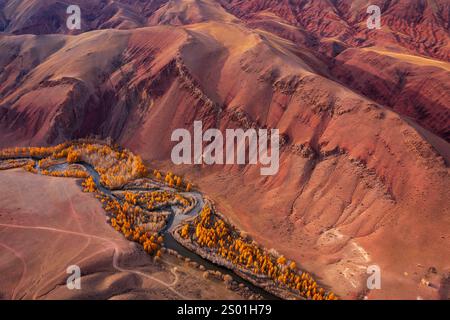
(364, 159)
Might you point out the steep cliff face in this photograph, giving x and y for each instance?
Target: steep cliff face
(406, 56)
(420, 26)
(362, 179)
(413, 86)
(334, 31)
(91, 84)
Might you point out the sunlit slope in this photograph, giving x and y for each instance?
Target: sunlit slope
(182, 12)
(412, 85)
(359, 184)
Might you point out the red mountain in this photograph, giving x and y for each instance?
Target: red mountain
(364, 176)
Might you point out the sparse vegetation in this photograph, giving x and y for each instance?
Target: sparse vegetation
(140, 215)
(66, 173)
(115, 165)
(15, 163)
(213, 234)
(173, 181)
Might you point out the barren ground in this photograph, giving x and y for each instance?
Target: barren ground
(48, 224)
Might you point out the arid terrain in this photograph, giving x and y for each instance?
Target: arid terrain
(161, 213)
(40, 239)
(364, 117)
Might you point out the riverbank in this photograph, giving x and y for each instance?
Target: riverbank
(146, 208)
(177, 213)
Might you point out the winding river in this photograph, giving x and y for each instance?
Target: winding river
(177, 219)
(174, 221)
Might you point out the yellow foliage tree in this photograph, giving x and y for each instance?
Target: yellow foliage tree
(281, 260)
(73, 156)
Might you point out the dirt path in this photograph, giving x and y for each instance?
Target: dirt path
(115, 261)
(176, 218)
(24, 269)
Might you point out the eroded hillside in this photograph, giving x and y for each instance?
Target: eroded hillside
(364, 117)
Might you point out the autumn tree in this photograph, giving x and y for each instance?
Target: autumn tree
(281, 260)
(292, 265)
(73, 156)
(89, 185)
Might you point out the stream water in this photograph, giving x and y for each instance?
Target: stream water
(174, 221)
(171, 243)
